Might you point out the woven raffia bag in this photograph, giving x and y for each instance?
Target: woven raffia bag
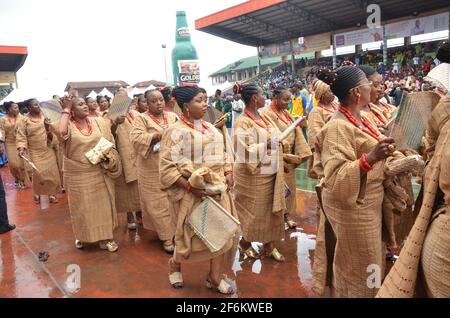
(214, 225)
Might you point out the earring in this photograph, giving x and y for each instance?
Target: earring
(358, 99)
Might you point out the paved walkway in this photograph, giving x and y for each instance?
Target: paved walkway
(139, 268)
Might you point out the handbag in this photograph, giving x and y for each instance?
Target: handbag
(96, 154)
(214, 225)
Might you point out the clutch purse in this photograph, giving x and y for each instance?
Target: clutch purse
(96, 154)
(407, 164)
(214, 225)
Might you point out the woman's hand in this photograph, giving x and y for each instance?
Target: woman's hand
(229, 181)
(67, 102)
(200, 193)
(382, 150)
(21, 152)
(119, 120)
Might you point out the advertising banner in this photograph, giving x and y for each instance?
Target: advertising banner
(358, 37)
(275, 49)
(189, 72)
(422, 25)
(7, 77)
(312, 43)
(299, 45)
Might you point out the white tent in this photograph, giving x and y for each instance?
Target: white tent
(135, 91)
(106, 92)
(150, 87)
(17, 95)
(92, 94)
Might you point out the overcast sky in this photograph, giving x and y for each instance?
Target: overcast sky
(99, 40)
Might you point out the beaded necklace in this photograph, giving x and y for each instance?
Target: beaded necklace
(264, 125)
(288, 120)
(78, 125)
(156, 120)
(366, 127)
(205, 129)
(327, 109)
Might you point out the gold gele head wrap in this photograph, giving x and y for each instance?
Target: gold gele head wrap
(320, 88)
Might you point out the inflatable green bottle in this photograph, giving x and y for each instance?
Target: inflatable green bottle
(184, 55)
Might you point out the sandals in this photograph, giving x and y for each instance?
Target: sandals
(290, 223)
(52, 199)
(276, 255)
(37, 198)
(111, 246)
(175, 278)
(168, 246)
(250, 252)
(78, 244)
(223, 287)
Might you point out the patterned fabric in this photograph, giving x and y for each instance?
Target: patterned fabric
(188, 247)
(90, 191)
(428, 243)
(259, 198)
(16, 164)
(156, 214)
(33, 137)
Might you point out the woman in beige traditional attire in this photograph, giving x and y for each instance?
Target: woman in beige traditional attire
(297, 150)
(35, 138)
(259, 176)
(427, 248)
(8, 127)
(93, 107)
(141, 104)
(90, 188)
(352, 153)
(371, 111)
(187, 147)
(317, 118)
(127, 191)
(104, 104)
(145, 138)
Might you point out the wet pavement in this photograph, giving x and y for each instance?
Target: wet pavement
(139, 268)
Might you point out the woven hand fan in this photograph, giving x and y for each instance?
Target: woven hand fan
(119, 107)
(409, 125)
(441, 74)
(51, 109)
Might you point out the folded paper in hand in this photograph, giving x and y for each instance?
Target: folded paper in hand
(96, 155)
(214, 225)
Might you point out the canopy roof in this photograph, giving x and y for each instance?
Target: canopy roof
(263, 22)
(12, 58)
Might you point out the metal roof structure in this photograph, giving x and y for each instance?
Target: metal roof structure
(12, 58)
(252, 61)
(263, 22)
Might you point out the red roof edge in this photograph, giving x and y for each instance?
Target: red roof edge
(21, 50)
(235, 11)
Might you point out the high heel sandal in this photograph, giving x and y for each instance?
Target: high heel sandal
(168, 246)
(175, 278)
(52, 199)
(37, 198)
(250, 252)
(276, 255)
(111, 246)
(78, 244)
(223, 287)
